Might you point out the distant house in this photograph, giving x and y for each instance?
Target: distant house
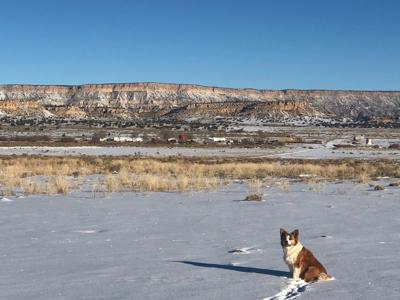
(172, 140)
(362, 140)
(183, 138)
(217, 139)
(123, 139)
(359, 139)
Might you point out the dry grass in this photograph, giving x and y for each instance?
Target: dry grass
(111, 184)
(87, 165)
(255, 186)
(51, 174)
(50, 186)
(32, 186)
(318, 186)
(158, 182)
(363, 178)
(284, 185)
(58, 185)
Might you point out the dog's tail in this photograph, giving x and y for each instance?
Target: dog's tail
(325, 277)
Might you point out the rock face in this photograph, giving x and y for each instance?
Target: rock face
(182, 101)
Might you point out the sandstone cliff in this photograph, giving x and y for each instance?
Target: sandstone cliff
(181, 101)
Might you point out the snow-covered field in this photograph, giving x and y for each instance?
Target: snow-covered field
(300, 151)
(182, 245)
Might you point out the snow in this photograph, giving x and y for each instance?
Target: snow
(386, 142)
(179, 245)
(86, 231)
(48, 114)
(4, 199)
(301, 151)
(291, 291)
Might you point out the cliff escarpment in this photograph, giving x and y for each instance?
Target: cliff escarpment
(183, 101)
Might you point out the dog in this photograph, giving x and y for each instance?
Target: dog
(301, 262)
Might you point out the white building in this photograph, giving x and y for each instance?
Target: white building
(217, 139)
(359, 139)
(123, 139)
(172, 140)
(137, 139)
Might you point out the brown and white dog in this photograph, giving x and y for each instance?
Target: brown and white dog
(300, 260)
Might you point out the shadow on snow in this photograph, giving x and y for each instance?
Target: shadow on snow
(237, 268)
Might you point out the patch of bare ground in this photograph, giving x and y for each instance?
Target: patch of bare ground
(61, 175)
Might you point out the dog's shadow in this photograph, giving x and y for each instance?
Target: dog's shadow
(271, 272)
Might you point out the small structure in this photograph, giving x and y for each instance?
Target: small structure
(217, 139)
(123, 139)
(368, 141)
(137, 139)
(183, 138)
(172, 140)
(359, 139)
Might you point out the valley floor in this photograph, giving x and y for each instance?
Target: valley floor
(179, 245)
(300, 151)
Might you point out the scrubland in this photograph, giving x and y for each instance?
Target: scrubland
(61, 175)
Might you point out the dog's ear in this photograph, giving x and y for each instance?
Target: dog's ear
(296, 233)
(282, 231)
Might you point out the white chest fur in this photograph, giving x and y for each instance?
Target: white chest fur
(290, 254)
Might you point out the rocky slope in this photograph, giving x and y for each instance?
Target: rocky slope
(183, 101)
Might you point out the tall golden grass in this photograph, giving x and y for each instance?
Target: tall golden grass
(158, 182)
(56, 174)
(255, 186)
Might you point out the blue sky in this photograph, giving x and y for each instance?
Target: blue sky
(306, 44)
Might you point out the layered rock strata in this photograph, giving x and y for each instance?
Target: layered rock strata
(181, 101)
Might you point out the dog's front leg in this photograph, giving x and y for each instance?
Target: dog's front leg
(296, 273)
(290, 269)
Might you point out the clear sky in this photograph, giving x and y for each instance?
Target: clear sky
(306, 44)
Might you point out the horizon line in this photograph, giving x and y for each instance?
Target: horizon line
(193, 84)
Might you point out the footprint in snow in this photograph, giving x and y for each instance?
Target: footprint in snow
(322, 236)
(244, 250)
(293, 289)
(91, 231)
(4, 199)
(85, 231)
